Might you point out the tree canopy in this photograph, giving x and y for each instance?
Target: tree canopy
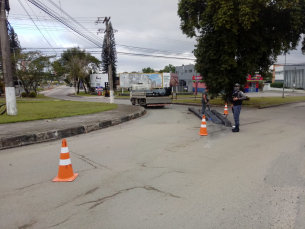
(148, 70)
(78, 64)
(236, 38)
(169, 68)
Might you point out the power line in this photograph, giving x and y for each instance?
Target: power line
(42, 24)
(35, 24)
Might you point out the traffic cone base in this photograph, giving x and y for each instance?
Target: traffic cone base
(65, 170)
(203, 129)
(56, 179)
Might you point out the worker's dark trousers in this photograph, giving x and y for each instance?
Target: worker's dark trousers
(203, 108)
(237, 110)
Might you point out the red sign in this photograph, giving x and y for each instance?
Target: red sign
(197, 78)
(255, 77)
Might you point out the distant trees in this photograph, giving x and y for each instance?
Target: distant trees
(31, 69)
(77, 64)
(148, 70)
(110, 58)
(169, 68)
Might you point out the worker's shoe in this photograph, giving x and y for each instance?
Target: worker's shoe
(236, 129)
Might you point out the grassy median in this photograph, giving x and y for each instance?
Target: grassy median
(49, 109)
(253, 102)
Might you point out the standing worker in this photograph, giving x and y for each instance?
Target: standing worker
(204, 100)
(238, 97)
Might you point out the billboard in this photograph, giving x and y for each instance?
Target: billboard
(155, 79)
(98, 80)
(174, 81)
(166, 79)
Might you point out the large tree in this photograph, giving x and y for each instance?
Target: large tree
(78, 64)
(31, 71)
(110, 58)
(236, 38)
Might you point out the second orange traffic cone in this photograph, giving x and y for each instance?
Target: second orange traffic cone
(225, 112)
(203, 128)
(65, 171)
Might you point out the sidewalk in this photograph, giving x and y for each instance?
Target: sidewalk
(25, 133)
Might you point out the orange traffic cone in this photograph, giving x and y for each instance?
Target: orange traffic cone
(65, 171)
(203, 128)
(225, 112)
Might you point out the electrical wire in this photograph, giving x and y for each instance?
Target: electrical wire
(42, 24)
(36, 25)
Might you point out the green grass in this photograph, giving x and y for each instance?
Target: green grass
(38, 97)
(47, 109)
(253, 102)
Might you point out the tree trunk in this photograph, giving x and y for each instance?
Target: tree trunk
(78, 84)
(84, 85)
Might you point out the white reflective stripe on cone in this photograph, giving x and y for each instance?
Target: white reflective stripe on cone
(204, 126)
(64, 150)
(203, 120)
(65, 162)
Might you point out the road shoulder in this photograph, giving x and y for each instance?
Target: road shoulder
(26, 133)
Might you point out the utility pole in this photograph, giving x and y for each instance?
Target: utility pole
(16, 71)
(106, 20)
(283, 96)
(11, 105)
(294, 76)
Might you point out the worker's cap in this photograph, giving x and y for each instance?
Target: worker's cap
(237, 85)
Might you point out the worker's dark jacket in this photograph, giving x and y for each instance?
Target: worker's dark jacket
(240, 95)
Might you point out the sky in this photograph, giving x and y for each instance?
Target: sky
(140, 23)
(150, 24)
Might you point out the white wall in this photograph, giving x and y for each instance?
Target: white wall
(279, 73)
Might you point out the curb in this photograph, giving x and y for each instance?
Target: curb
(277, 105)
(28, 139)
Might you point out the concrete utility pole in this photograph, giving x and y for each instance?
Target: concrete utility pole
(106, 20)
(11, 105)
(283, 96)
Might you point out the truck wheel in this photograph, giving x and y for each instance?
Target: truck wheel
(133, 102)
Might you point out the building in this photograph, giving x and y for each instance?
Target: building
(252, 84)
(185, 75)
(291, 75)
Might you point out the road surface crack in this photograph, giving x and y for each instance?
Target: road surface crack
(18, 189)
(90, 162)
(104, 199)
(25, 226)
(91, 191)
(55, 225)
(166, 173)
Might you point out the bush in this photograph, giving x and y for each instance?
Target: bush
(32, 94)
(277, 85)
(23, 94)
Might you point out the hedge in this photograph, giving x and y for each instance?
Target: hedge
(277, 85)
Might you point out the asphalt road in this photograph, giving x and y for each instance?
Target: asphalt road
(157, 172)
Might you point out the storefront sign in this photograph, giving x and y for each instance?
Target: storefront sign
(197, 79)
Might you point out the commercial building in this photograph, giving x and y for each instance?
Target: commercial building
(290, 75)
(185, 75)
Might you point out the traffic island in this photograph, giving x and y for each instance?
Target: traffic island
(31, 132)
